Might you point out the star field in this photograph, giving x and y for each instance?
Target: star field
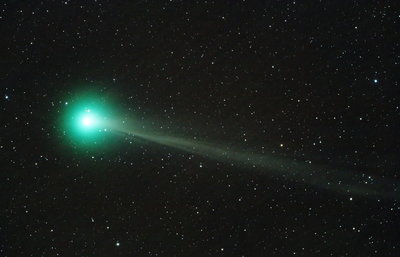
(313, 82)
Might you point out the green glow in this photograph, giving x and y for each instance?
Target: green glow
(86, 120)
(89, 120)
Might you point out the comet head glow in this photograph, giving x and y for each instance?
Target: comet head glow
(86, 120)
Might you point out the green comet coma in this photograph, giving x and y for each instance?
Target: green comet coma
(86, 120)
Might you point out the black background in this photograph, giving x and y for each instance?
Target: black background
(311, 80)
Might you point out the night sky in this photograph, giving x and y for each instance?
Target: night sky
(310, 82)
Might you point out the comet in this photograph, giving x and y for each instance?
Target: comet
(91, 120)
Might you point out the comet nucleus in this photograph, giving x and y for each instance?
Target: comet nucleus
(86, 119)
